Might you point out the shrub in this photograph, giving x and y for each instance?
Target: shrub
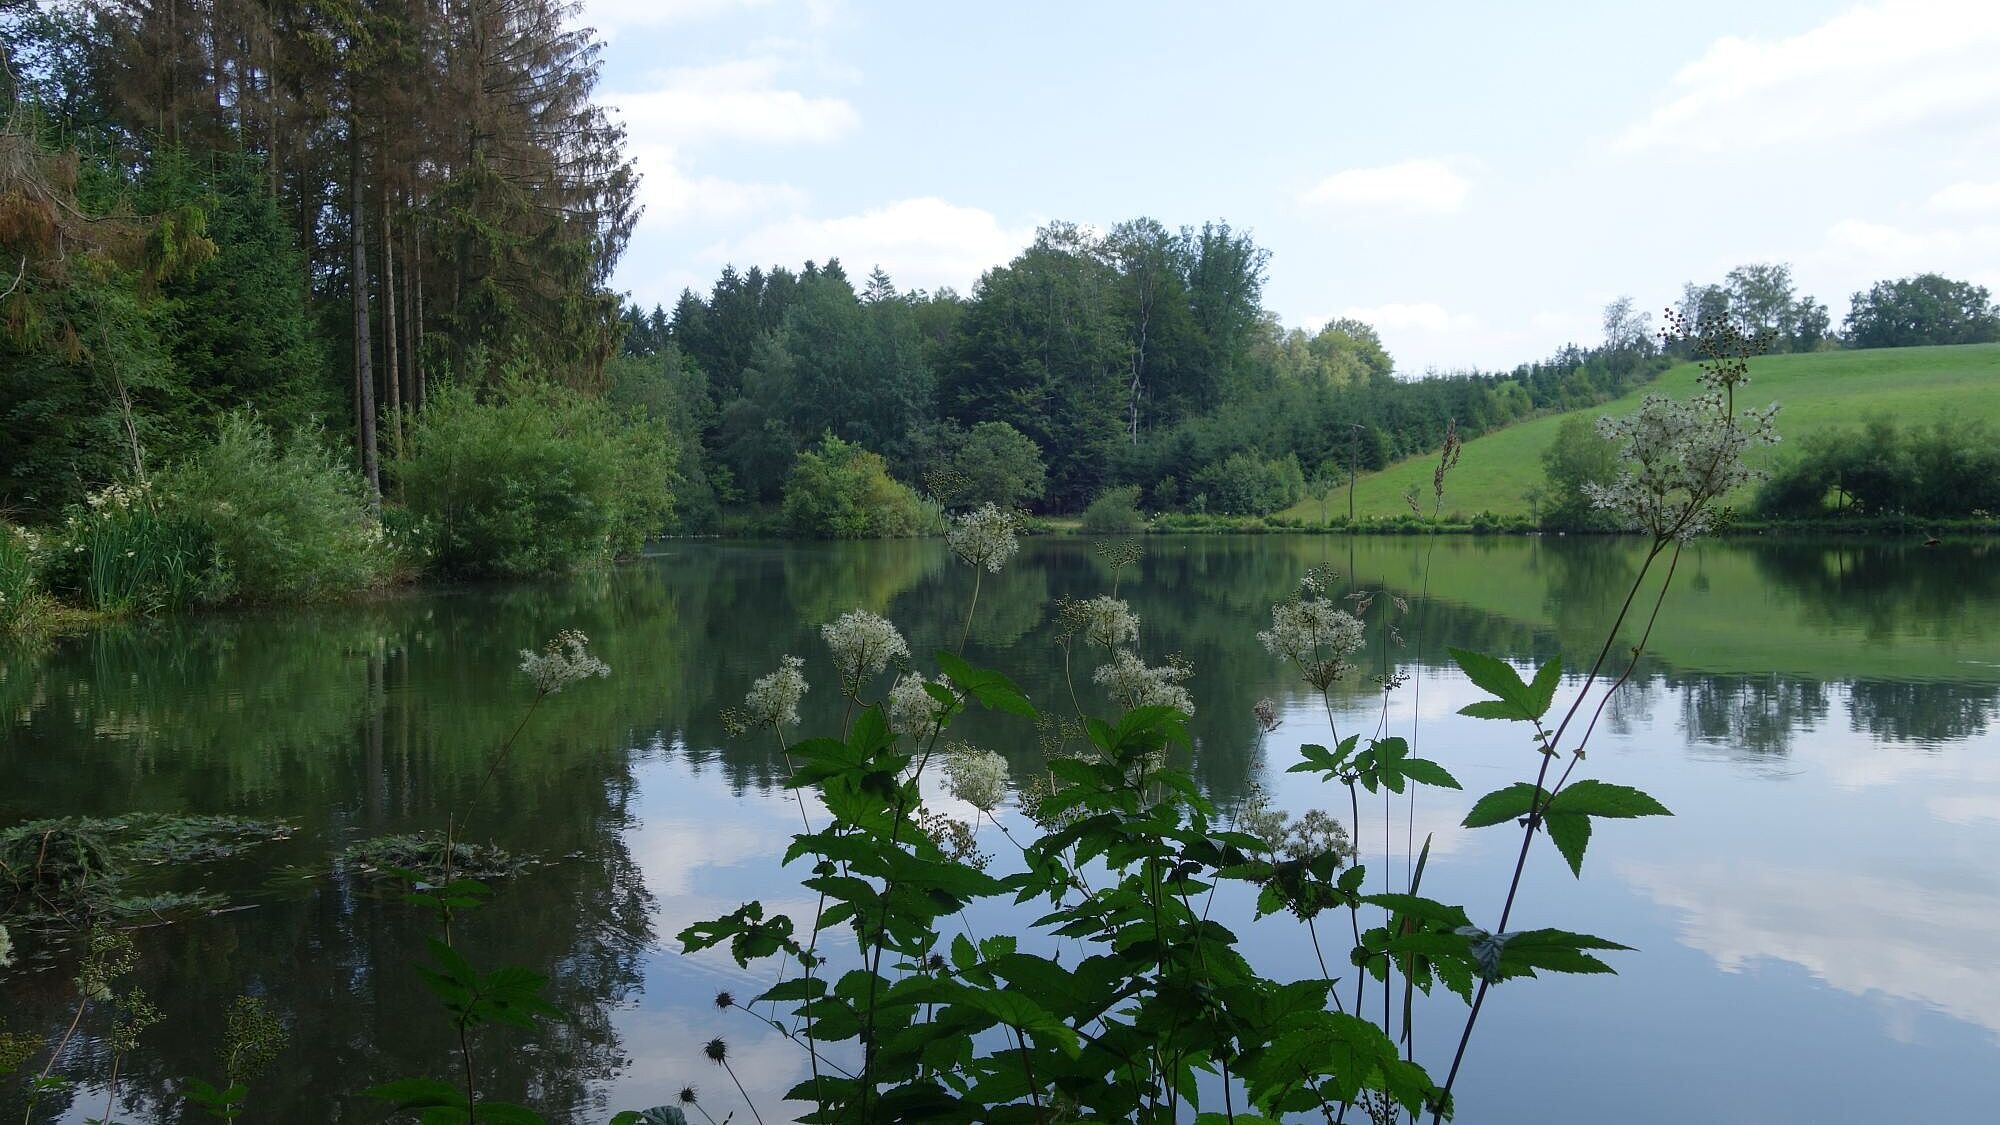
(126, 550)
(536, 479)
(1243, 485)
(1578, 456)
(1948, 469)
(841, 491)
(1115, 509)
(288, 522)
(22, 603)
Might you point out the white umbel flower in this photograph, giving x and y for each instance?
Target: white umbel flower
(984, 538)
(912, 710)
(562, 662)
(1315, 635)
(977, 777)
(1133, 684)
(863, 644)
(1108, 622)
(1681, 457)
(773, 700)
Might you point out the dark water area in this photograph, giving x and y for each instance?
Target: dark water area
(1817, 927)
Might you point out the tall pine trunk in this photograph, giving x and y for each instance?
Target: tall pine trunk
(364, 374)
(392, 379)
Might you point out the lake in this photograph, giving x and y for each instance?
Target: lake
(1817, 928)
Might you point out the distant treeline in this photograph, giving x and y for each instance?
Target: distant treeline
(1142, 357)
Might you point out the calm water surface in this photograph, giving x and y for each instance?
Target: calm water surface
(1819, 926)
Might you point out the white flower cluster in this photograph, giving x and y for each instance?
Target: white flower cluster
(1257, 818)
(1681, 457)
(1313, 634)
(117, 496)
(912, 710)
(863, 644)
(562, 662)
(977, 777)
(773, 700)
(1132, 683)
(1108, 622)
(984, 538)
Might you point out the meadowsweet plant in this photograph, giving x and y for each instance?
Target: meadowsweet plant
(1134, 684)
(1108, 623)
(564, 661)
(983, 539)
(862, 644)
(773, 699)
(1314, 634)
(474, 999)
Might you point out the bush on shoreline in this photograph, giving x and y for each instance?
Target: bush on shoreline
(537, 479)
(839, 490)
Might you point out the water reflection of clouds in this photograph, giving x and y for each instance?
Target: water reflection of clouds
(1862, 934)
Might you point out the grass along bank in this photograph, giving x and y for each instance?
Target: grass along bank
(1819, 390)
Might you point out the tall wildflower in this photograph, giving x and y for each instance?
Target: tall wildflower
(1682, 457)
(562, 662)
(773, 700)
(1312, 633)
(912, 709)
(984, 538)
(863, 644)
(977, 777)
(1107, 622)
(1133, 683)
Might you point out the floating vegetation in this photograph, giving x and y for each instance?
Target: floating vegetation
(423, 855)
(76, 870)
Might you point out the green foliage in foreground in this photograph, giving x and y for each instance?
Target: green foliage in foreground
(1820, 390)
(533, 479)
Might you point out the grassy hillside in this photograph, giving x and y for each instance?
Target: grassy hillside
(1912, 385)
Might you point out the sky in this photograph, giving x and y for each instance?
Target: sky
(1476, 180)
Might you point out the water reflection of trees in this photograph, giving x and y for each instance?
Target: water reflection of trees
(1759, 714)
(1924, 713)
(369, 719)
(350, 723)
(1898, 590)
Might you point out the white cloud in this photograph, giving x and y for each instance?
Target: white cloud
(1967, 199)
(1427, 187)
(674, 197)
(1424, 317)
(922, 243)
(1898, 63)
(732, 101)
(1860, 251)
(1862, 934)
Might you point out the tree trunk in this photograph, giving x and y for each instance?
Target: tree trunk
(392, 377)
(364, 375)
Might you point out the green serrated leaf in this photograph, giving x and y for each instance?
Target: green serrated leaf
(1601, 798)
(1542, 692)
(1570, 832)
(1498, 678)
(1503, 805)
(990, 688)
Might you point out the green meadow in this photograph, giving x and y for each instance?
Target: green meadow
(1817, 389)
